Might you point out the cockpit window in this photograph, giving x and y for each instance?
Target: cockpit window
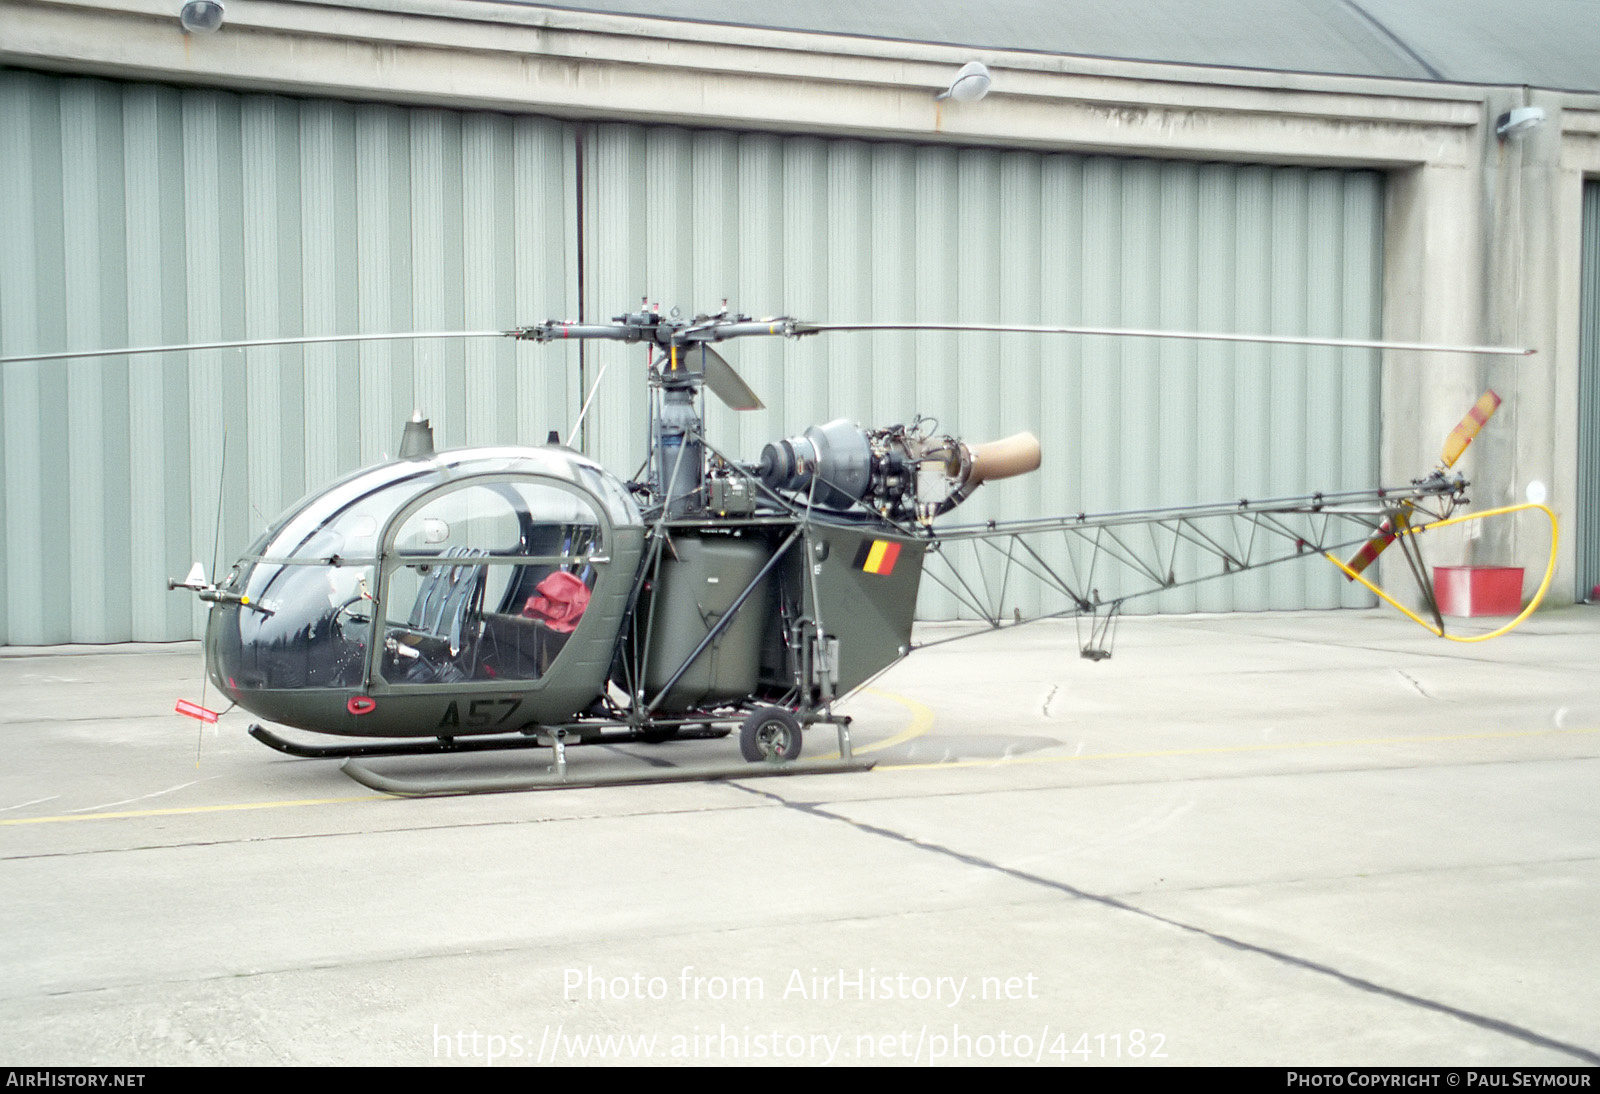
(488, 581)
(346, 520)
(501, 518)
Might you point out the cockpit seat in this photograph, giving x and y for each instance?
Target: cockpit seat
(440, 639)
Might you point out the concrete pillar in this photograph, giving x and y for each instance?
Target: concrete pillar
(1521, 178)
(1478, 250)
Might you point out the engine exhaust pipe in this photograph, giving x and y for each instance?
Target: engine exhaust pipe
(1003, 459)
(978, 463)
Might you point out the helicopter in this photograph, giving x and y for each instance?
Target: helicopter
(524, 596)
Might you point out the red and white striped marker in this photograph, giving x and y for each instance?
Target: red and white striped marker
(195, 710)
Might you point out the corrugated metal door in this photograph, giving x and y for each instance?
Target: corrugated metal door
(848, 230)
(145, 215)
(1588, 516)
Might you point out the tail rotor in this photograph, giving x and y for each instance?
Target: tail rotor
(1399, 522)
(1461, 436)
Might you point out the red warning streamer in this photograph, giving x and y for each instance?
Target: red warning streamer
(195, 710)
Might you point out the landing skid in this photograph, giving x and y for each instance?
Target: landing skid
(433, 747)
(561, 780)
(557, 776)
(442, 745)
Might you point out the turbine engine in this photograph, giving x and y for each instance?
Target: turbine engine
(901, 472)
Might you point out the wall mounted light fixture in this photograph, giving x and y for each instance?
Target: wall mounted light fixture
(201, 16)
(1519, 120)
(970, 84)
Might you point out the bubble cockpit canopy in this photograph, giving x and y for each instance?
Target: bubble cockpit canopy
(476, 564)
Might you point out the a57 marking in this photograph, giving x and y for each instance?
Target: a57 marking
(481, 713)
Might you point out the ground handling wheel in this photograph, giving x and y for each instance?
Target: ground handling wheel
(771, 735)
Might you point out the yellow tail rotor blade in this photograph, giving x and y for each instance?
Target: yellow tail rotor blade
(1462, 435)
(1385, 535)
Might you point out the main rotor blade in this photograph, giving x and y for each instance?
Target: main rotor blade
(251, 343)
(790, 327)
(725, 383)
(799, 328)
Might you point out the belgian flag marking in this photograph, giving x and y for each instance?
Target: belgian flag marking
(877, 556)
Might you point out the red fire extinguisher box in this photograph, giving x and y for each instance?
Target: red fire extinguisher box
(1478, 590)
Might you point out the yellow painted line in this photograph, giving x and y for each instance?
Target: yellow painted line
(921, 722)
(1354, 742)
(193, 809)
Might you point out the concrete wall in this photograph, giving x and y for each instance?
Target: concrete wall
(1482, 240)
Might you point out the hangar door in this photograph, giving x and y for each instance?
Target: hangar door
(850, 230)
(143, 215)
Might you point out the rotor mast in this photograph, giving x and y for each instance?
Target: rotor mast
(681, 363)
